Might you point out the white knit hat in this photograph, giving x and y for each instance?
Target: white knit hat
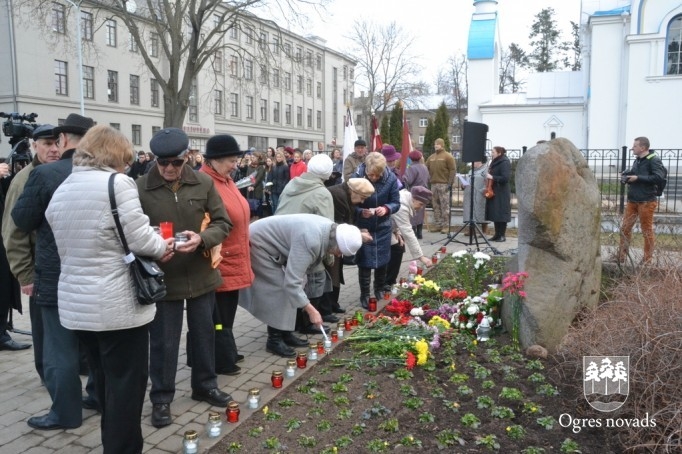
(321, 166)
(348, 239)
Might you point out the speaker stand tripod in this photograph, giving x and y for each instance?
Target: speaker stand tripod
(474, 229)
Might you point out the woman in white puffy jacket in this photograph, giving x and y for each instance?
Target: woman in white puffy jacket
(96, 297)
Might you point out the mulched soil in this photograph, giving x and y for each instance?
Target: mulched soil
(352, 407)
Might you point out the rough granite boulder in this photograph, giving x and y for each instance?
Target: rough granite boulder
(559, 246)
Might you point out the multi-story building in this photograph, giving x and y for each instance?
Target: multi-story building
(267, 86)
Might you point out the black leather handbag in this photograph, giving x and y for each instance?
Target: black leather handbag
(150, 287)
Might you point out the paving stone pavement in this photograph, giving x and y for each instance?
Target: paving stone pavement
(23, 396)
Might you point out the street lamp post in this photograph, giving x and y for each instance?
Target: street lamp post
(77, 5)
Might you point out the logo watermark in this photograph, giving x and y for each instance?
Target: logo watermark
(606, 381)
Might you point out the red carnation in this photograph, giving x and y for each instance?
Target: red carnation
(411, 361)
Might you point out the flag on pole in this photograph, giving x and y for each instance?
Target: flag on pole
(350, 135)
(376, 142)
(407, 146)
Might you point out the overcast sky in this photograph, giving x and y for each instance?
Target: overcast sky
(439, 21)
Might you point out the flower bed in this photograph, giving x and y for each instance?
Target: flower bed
(415, 378)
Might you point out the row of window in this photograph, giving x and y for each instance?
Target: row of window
(61, 82)
(249, 106)
(135, 132)
(111, 39)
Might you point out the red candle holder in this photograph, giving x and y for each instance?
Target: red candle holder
(372, 305)
(277, 379)
(232, 412)
(320, 348)
(302, 360)
(402, 280)
(434, 259)
(335, 336)
(348, 324)
(420, 270)
(443, 249)
(387, 295)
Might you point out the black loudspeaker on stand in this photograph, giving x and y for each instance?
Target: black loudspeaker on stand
(474, 137)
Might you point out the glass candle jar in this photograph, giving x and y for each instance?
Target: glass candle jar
(340, 327)
(434, 259)
(410, 278)
(443, 250)
(394, 291)
(190, 442)
(214, 426)
(335, 336)
(312, 353)
(277, 379)
(302, 360)
(420, 270)
(403, 281)
(291, 368)
(387, 295)
(348, 324)
(320, 348)
(253, 401)
(372, 305)
(232, 412)
(327, 345)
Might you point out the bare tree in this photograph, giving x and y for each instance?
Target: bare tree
(453, 81)
(386, 68)
(511, 60)
(188, 34)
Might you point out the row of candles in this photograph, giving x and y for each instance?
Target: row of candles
(214, 425)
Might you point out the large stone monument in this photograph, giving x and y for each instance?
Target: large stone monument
(559, 246)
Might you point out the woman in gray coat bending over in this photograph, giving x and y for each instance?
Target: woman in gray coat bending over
(284, 249)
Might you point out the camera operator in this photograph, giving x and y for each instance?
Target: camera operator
(642, 179)
(19, 244)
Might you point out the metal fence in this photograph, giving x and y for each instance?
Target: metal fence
(607, 165)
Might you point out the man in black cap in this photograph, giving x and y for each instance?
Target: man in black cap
(353, 160)
(20, 245)
(60, 345)
(172, 192)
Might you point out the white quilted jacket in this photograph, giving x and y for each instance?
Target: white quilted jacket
(95, 286)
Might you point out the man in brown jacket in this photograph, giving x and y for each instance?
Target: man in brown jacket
(442, 170)
(173, 192)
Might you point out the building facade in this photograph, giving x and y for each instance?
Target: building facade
(266, 86)
(629, 86)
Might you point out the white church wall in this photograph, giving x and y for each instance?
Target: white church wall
(516, 126)
(607, 82)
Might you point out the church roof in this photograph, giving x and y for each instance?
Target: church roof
(613, 12)
(481, 43)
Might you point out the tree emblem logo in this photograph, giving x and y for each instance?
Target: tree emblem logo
(606, 381)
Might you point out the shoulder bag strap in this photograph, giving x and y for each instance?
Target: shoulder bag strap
(114, 211)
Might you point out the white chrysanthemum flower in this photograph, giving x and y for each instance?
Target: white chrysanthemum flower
(405, 285)
(462, 326)
(481, 256)
(459, 254)
(477, 299)
(472, 310)
(416, 312)
(470, 325)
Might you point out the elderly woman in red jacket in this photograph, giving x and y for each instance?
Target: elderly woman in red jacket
(220, 160)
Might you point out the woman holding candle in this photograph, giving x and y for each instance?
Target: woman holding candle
(374, 214)
(403, 234)
(222, 155)
(498, 209)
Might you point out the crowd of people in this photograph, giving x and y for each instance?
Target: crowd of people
(275, 245)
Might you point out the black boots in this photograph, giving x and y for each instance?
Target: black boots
(365, 277)
(380, 282)
(276, 345)
(500, 231)
(292, 341)
(418, 231)
(226, 356)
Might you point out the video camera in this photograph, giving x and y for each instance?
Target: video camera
(19, 128)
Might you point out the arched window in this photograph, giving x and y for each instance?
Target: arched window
(674, 46)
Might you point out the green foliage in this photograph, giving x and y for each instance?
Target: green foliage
(484, 402)
(409, 440)
(459, 378)
(536, 378)
(376, 410)
(470, 420)
(408, 390)
(293, 424)
(320, 397)
(448, 438)
(441, 125)
(339, 388)
(343, 442)
(489, 441)
(273, 416)
(395, 127)
(377, 445)
(235, 446)
(390, 425)
(569, 446)
(256, 431)
(358, 429)
(502, 412)
(511, 393)
(544, 39)
(341, 400)
(547, 390)
(430, 137)
(464, 390)
(324, 425)
(272, 443)
(426, 417)
(533, 450)
(547, 422)
(488, 384)
(384, 129)
(413, 403)
(286, 403)
(516, 432)
(345, 413)
(403, 374)
(306, 441)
